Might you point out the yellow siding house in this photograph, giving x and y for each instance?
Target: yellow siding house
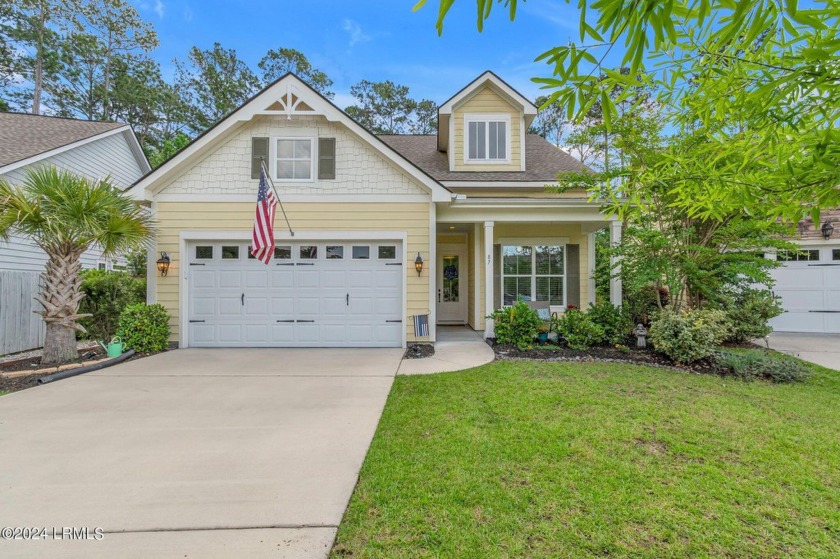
(373, 231)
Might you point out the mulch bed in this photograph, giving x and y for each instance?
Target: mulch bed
(610, 354)
(419, 351)
(13, 384)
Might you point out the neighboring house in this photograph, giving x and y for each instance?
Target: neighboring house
(470, 202)
(809, 281)
(93, 149)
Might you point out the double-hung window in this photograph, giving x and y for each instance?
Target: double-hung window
(293, 159)
(487, 138)
(534, 273)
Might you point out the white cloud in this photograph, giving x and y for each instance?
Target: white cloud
(188, 13)
(159, 8)
(355, 31)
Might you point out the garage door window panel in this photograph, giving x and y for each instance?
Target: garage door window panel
(387, 252)
(835, 254)
(230, 252)
(203, 252)
(309, 252)
(361, 252)
(335, 252)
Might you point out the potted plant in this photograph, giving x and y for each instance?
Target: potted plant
(542, 334)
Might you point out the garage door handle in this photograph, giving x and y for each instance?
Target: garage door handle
(243, 299)
(393, 321)
(287, 320)
(304, 321)
(191, 321)
(348, 299)
(826, 311)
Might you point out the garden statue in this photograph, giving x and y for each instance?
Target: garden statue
(640, 332)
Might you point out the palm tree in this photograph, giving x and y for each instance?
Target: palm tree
(66, 214)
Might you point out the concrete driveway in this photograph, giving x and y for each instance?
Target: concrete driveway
(193, 453)
(822, 349)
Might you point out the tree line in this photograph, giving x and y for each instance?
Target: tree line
(92, 59)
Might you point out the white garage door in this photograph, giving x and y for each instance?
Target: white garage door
(809, 285)
(327, 294)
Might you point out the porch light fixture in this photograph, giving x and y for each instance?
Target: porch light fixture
(163, 263)
(418, 264)
(827, 229)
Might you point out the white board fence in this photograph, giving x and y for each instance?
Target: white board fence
(20, 327)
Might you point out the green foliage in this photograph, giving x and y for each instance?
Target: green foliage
(579, 330)
(64, 212)
(517, 325)
(643, 305)
(748, 313)
(106, 295)
(387, 108)
(159, 154)
(144, 328)
(612, 320)
(760, 364)
(137, 262)
(214, 82)
(687, 337)
(755, 82)
(278, 62)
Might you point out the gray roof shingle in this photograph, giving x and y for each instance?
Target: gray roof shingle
(24, 135)
(543, 161)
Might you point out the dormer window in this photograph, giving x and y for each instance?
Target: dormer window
(487, 138)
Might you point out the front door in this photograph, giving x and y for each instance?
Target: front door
(452, 284)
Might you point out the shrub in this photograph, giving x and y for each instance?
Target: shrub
(749, 312)
(612, 320)
(145, 328)
(760, 364)
(579, 330)
(688, 336)
(642, 306)
(106, 295)
(516, 325)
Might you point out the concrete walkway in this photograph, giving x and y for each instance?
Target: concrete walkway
(458, 348)
(822, 349)
(193, 453)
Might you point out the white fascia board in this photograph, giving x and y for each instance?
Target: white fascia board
(53, 152)
(496, 184)
(137, 150)
(501, 87)
(160, 177)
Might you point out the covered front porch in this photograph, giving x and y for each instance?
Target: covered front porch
(489, 253)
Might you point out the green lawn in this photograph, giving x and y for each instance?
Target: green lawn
(529, 459)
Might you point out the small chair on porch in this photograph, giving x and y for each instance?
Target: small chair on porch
(543, 309)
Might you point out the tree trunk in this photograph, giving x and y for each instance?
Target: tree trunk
(59, 344)
(60, 296)
(39, 63)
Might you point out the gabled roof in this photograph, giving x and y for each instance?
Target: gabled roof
(288, 95)
(23, 136)
(488, 78)
(545, 160)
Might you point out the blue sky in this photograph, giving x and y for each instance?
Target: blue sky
(376, 40)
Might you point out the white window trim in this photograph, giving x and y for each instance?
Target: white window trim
(313, 154)
(499, 117)
(559, 241)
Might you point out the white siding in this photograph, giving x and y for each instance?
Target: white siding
(359, 169)
(109, 156)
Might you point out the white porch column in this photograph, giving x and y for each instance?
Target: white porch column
(615, 279)
(478, 252)
(488, 278)
(590, 264)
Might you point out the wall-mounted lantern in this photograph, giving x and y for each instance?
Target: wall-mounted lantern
(827, 229)
(163, 264)
(418, 264)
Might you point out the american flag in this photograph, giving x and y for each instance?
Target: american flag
(262, 241)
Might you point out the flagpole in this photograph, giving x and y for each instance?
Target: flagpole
(276, 195)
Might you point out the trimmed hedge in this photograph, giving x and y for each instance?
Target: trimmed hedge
(145, 328)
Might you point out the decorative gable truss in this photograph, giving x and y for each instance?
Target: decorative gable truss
(287, 97)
